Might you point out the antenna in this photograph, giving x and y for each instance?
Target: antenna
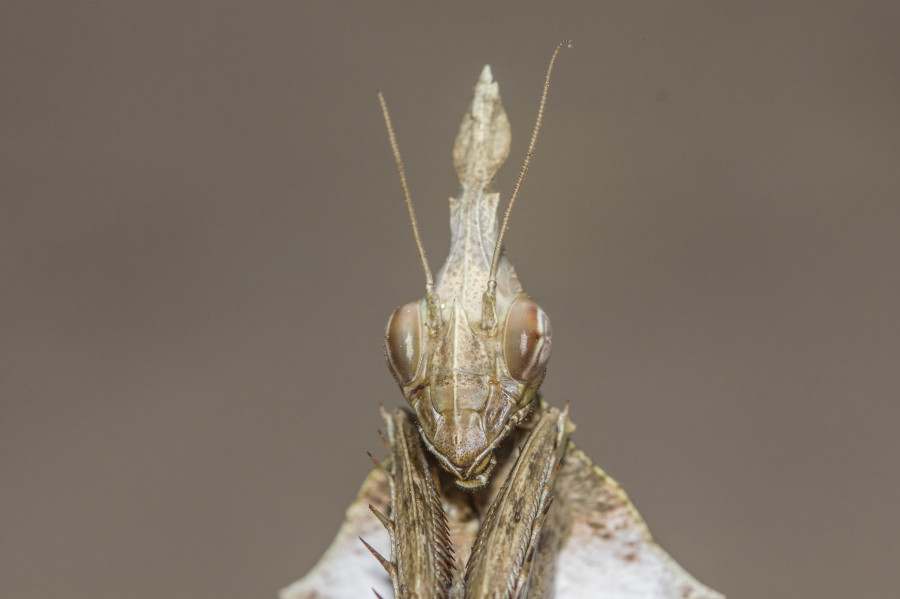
(431, 299)
(429, 282)
(489, 316)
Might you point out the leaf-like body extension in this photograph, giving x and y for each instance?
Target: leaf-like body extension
(503, 559)
(347, 570)
(608, 552)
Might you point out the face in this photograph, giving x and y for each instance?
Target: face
(469, 387)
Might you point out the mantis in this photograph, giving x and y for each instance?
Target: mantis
(483, 495)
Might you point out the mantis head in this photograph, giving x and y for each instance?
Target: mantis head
(471, 355)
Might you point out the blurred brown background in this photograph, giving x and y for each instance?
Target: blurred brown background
(203, 235)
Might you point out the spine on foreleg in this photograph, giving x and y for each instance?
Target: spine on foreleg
(422, 563)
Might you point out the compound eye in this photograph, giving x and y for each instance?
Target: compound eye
(402, 342)
(526, 347)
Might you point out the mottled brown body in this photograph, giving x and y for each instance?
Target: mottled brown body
(483, 496)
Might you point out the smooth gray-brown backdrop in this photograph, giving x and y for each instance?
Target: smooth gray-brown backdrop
(202, 235)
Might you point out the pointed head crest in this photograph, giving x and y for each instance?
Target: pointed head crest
(482, 144)
(471, 375)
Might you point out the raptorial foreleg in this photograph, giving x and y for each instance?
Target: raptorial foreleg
(421, 563)
(514, 554)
